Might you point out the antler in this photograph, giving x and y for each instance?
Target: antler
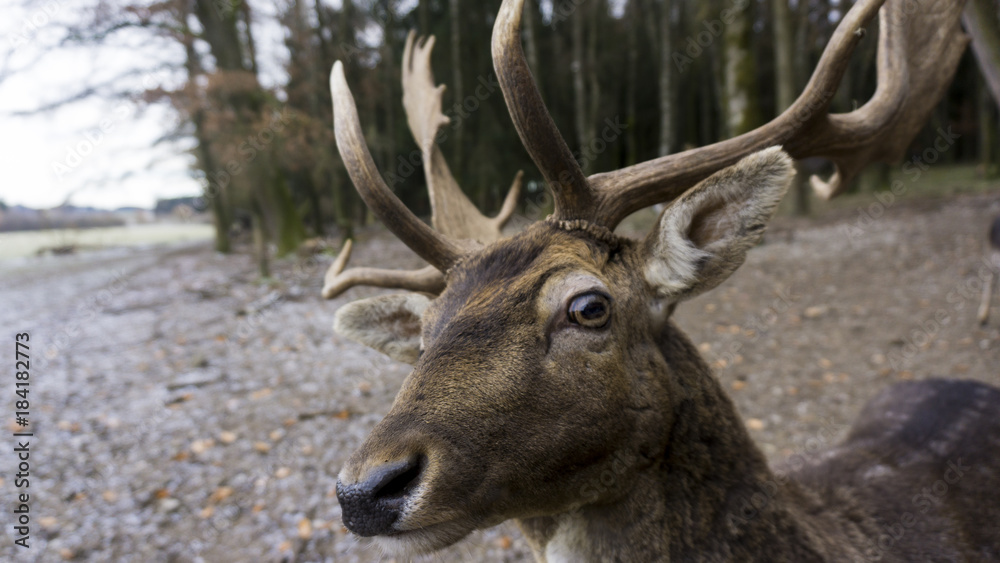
(451, 211)
(909, 87)
(337, 281)
(456, 220)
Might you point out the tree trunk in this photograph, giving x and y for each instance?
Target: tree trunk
(784, 76)
(739, 75)
(214, 193)
(579, 84)
(344, 200)
(981, 23)
(530, 42)
(456, 82)
(423, 12)
(667, 107)
(784, 69)
(591, 69)
(989, 127)
(260, 240)
(632, 80)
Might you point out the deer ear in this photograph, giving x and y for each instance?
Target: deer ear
(704, 236)
(388, 323)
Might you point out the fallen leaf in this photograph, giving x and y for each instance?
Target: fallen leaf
(815, 311)
(305, 529)
(260, 393)
(48, 522)
(201, 446)
(220, 494)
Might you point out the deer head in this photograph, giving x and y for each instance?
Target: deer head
(549, 357)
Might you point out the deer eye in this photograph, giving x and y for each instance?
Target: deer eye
(591, 310)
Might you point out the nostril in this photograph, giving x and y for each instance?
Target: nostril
(400, 480)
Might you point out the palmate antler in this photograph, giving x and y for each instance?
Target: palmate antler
(917, 56)
(452, 214)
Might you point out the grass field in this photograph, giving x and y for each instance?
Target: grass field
(27, 243)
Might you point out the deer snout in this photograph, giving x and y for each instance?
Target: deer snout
(374, 503)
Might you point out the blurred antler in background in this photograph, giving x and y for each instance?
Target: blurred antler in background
(453, 215)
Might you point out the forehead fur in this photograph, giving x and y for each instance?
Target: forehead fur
(513, 270)
(544, 246)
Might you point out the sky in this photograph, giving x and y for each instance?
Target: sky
(99, 151)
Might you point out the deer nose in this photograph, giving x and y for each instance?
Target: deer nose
(370, 507)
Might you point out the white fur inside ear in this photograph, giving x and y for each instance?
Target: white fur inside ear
(388, 323)
(676, 268)
(703, 237)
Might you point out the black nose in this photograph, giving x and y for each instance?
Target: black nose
(372, 506)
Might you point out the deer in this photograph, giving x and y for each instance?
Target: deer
(548, 359)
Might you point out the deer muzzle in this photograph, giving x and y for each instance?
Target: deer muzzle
(373, 504)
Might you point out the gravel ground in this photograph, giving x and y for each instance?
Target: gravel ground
(183, 411)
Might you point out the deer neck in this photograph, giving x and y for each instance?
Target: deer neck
(687, 502)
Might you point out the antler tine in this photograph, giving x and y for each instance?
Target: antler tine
(908, 89)
(663, 179)
(574, 197)
(510, 202)
(432, 246)
(425, 280)
(337, 281)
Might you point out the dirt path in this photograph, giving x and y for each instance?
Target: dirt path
(184, 412)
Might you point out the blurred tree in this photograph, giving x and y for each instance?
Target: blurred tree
(740, 105)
